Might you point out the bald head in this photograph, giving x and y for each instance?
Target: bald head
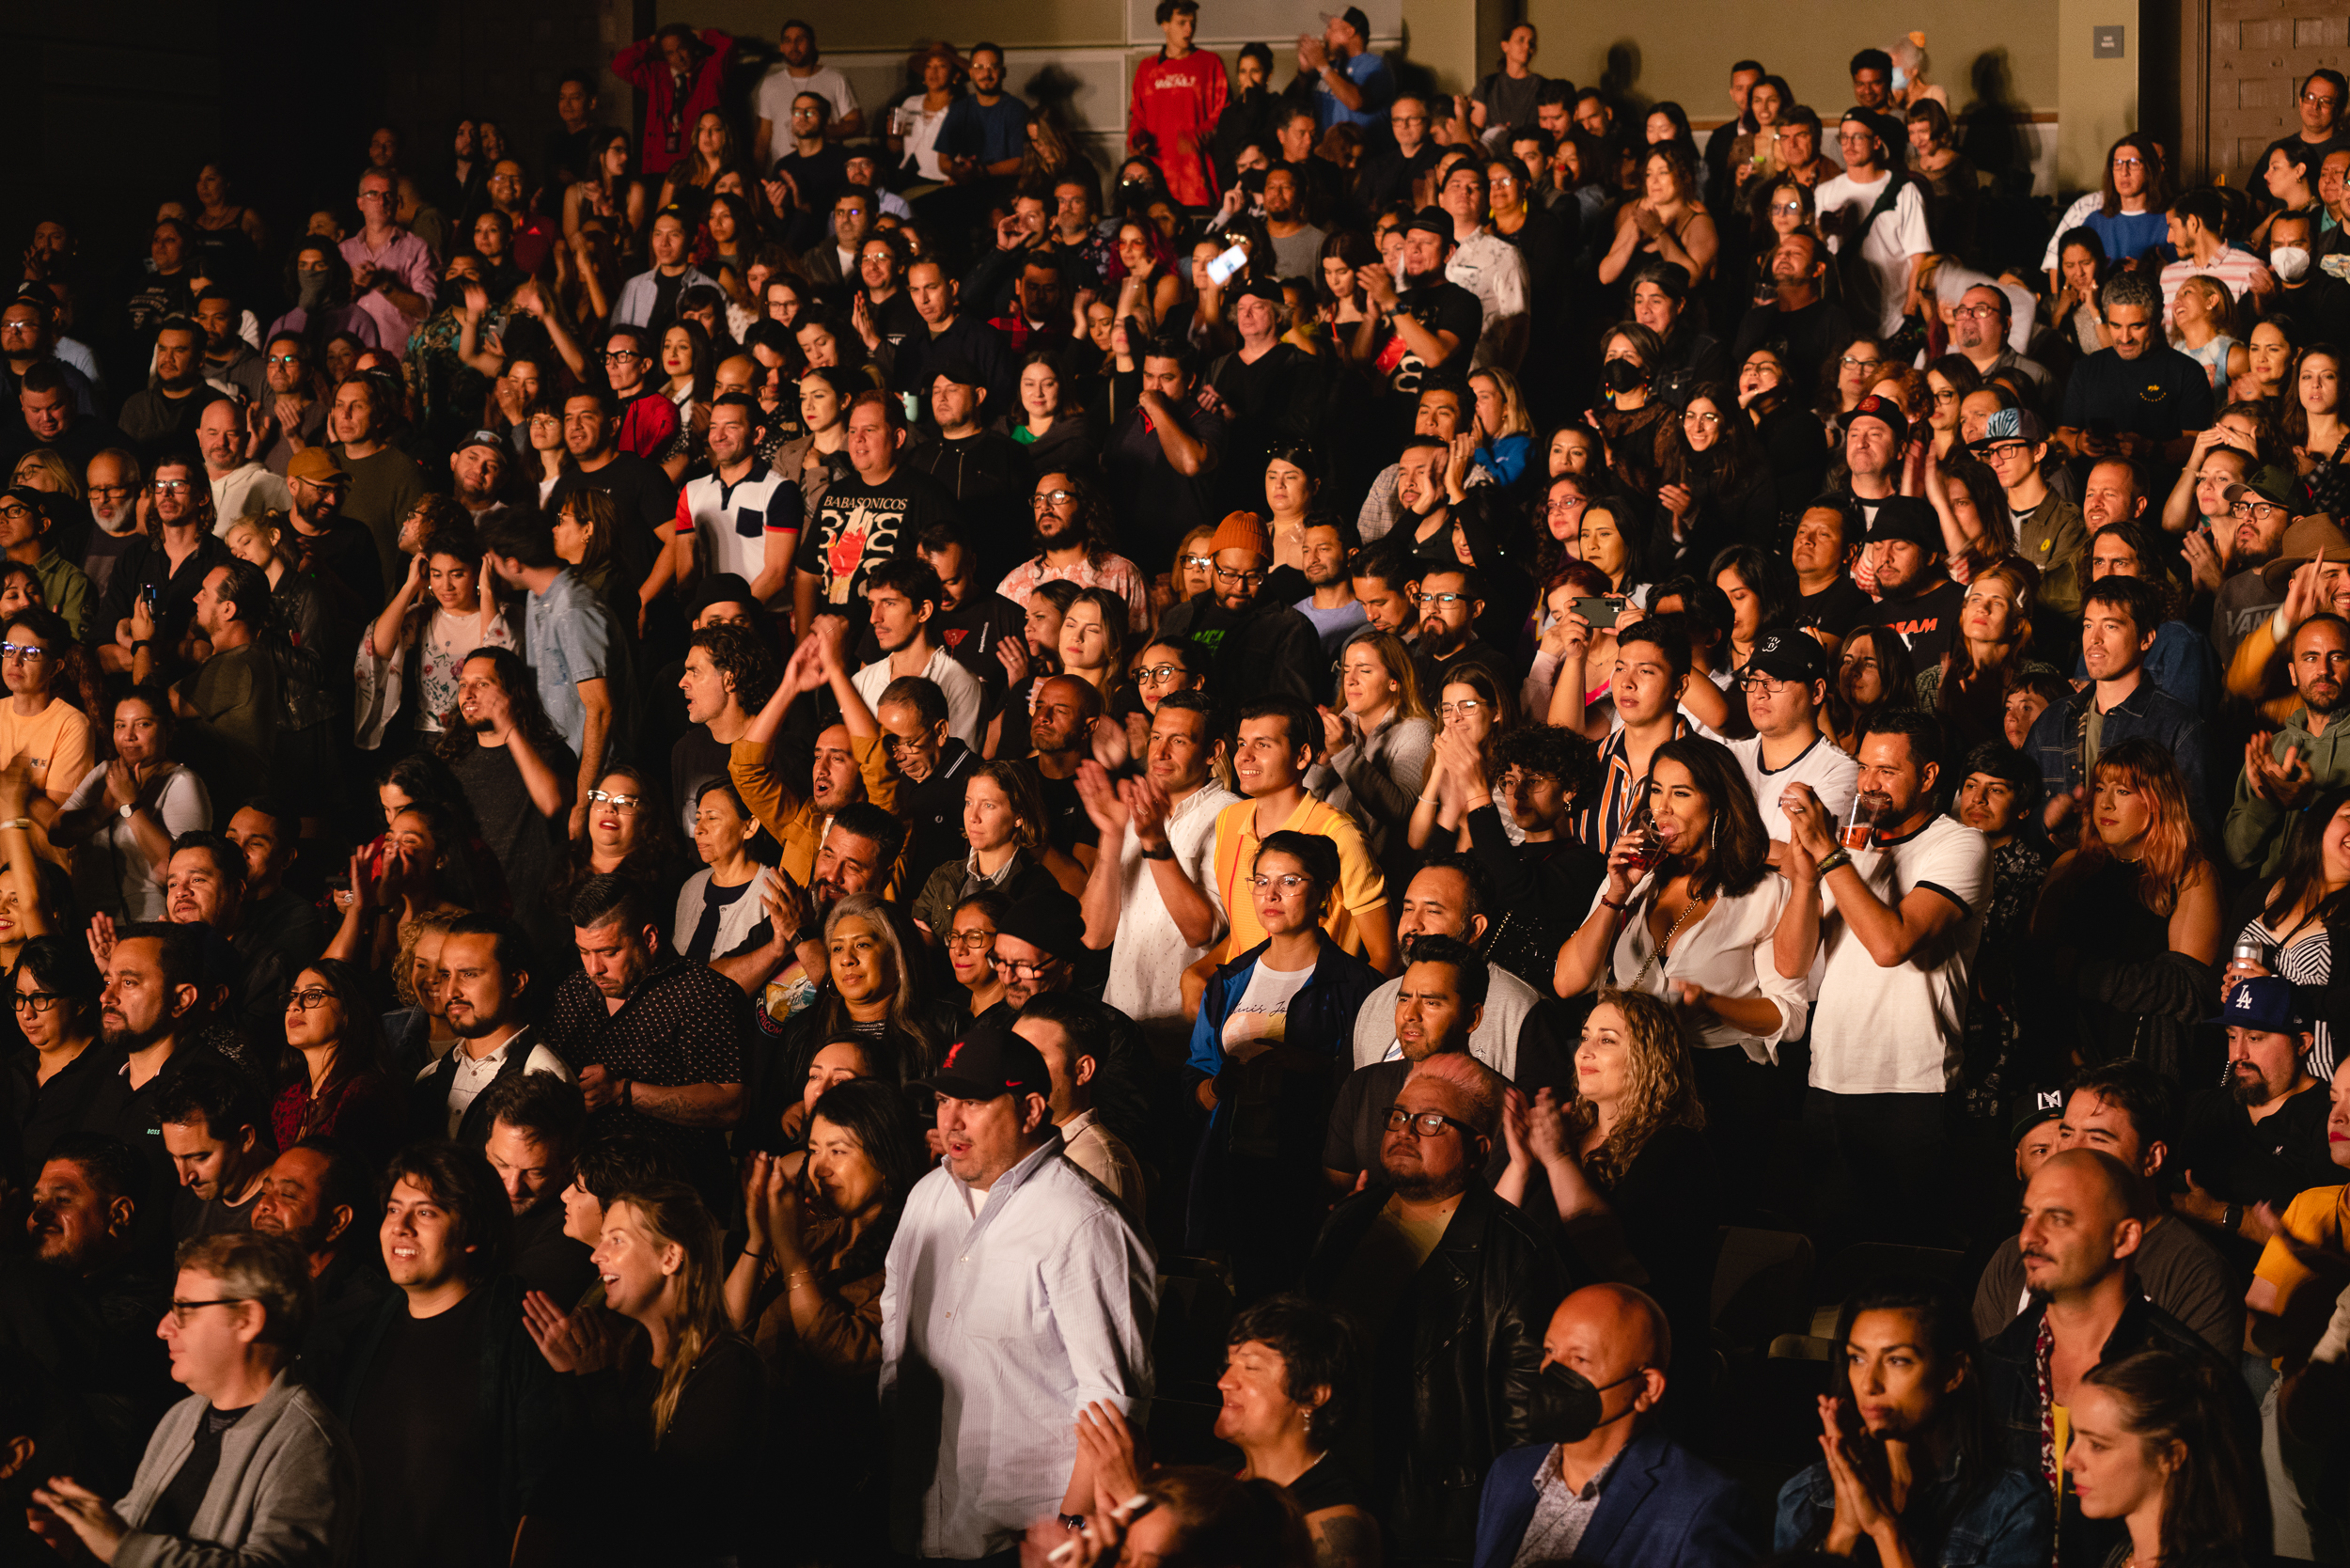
(1626, 1322)
(2084, 1216)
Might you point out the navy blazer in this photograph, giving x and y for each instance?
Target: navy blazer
(1662, 1507)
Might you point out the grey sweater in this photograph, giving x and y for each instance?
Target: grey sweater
(286, 1494)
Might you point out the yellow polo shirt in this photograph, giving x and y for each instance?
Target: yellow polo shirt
(1362, 887)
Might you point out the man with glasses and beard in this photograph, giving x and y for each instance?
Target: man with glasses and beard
(1450, 599)
(1072, 537)
(1254, 645)
(1454, 1286)
(297, 415)
(162, 413)
(112, 482)
(170, 574)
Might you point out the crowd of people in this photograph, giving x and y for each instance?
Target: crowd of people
(796, 836)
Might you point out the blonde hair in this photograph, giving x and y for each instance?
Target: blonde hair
(672, 1215)
(50, 461)
(1397, 660)
(1514, 419)
(1662, 1088)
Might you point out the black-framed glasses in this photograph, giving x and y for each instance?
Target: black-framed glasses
(903, 743)
(1018, 968)
(37, 1001)
(1044, 498)
(1425, 1124)
(1755, 681)
(1428, 601)
(2005, 449)
(179, 1309)
(616, 356)
(309, 998)
(1226, 574)
(1849, 363)
(2259, 511)
(1978, 311)
(617, 802)
(1159, 675)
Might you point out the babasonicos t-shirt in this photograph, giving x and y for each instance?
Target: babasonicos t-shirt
(858, 525)
(1897, 1031)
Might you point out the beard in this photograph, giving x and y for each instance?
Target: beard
(2322, 697)
(2249, 1092)
(1440, 638)
(119, 520)
(1421, 1187)
(123, 1037)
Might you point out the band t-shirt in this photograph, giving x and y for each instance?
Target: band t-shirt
(859, 525)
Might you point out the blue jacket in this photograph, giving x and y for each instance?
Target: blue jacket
(2010, 1525)
(2181, 663)
(1320, 1021)
(2061, 734)
(1662, 1507)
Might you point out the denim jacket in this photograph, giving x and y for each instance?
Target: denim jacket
(2010, 1524)
(2060, 738)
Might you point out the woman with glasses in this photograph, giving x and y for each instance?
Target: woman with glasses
(46, 733)
(970, 943)
(1629, 1170)
(1849, 375)
(2129, 919)
(807, 1288)
(1913, 1464)
(630, 834)
(123, 816)
(1274, 1025)
(1375, 745)
(1473, 713)
(55, 989)
(1194, 570)
(1003, 817)
(1163, 668)
(45, 469)
(1949, 380)
(1718, 488)
(341, 1091)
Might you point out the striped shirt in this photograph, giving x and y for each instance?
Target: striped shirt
(1601, 823)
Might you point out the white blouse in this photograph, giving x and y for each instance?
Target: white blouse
(1726, 951)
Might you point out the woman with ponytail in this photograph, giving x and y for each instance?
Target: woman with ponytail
(2153, 1446)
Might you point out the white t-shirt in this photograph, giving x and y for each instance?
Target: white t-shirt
(1148, 956)
(922, 140)
(1833, 776)
(1898, 1030)
(110, 871)
(1889, 242)
(962, 689)
(1261, 1015)
(772, 99)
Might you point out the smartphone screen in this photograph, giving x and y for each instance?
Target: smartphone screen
(1221, 270)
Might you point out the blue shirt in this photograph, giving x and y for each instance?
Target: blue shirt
(1370, 74)
(988, 131)
(2127, 236)
(568, 639)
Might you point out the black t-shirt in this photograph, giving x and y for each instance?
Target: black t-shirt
(933, 812)
(1812, 334)
(175, 1512)
(1441, 308)
(526, 842)
(716, 900)
(2157, 395)
(641, 493)
(1928, 623)
(2273, 1160)
(1066, 822)
(416, 1432)
(2320, 306)
(1836, 609)
(859, 525)
(547, 1260)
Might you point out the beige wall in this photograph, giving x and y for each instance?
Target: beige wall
(1681, 49)
(2099, 97)
(846, 26)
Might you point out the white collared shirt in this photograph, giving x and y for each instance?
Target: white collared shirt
(476, 1074)
(1000, 1322)
(1148, 956)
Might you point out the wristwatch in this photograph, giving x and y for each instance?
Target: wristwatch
(1165, 852)
(126, 809)
(2232, 1217)
(1072, 1521)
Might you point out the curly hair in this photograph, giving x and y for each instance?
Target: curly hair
(1552, 751)
(522, 691)
(1662, 1087)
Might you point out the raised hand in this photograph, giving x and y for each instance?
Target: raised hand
(1100, 797)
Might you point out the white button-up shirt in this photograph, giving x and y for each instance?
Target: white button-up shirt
(1004, 1315)
(476, 1074)
(1149, 955)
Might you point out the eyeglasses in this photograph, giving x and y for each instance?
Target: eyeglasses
(1787, 209)
(112, 489)
(615, 356)
(1755, 681)
(618, 803)
(1977, 311)
(1424, 1124)
(1426, 599)
(37, 1001)
(1159, 675)
(2327, 99)
(1226, 574)
(1198, 563)
(971, 941)
(1468, 707)
(2129, 164)
(1946, 396)
(179, 1309)
(1289, 882)
(309, 998)
(2259, 511)
(1849, 363)
(375, 195)
(903, 743)
(26, 652)
(1018, 968)
(2005, 449)
(1044, 498)
(172, 487)
(283, 359)
(1701, 416)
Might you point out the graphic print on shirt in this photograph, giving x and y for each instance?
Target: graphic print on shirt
(851, 535)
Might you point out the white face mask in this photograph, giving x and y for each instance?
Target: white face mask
(2289, 262)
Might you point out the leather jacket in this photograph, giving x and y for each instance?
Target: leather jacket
(1456, 1363)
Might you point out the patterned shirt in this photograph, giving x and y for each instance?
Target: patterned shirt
(1560, 1515)
(1114, 572)
(1601, 823)
(683, 1024)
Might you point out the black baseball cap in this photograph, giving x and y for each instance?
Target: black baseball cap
(2037, 1105)
(1790, 656)
(989, 1060)
(956, 368)
(1353, 15)
(1434, 219)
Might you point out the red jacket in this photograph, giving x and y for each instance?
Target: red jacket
(1178, 102)
(669, 137)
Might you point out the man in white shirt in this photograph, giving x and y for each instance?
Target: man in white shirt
(1448, 897)
(1786, 683)
(488, 963)
(901, 596)
(743, 517)
(1486, 265)
(1896, 923)
(1886, 221)
(1069, 1034)
(1016, 1297)
(799, 71)
(1151, 898)
(226, 433)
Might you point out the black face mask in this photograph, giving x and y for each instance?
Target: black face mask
(1622, 375)
(1565, 1404)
